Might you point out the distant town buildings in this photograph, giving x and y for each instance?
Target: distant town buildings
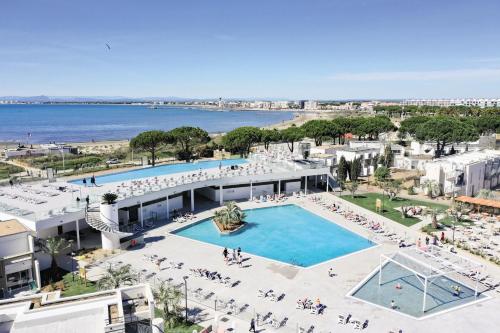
(474, 102)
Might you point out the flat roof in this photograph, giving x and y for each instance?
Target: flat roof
(11, 227)
(479, 201)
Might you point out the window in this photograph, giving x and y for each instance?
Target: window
(18, 278)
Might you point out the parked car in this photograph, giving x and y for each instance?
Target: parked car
(113, 161)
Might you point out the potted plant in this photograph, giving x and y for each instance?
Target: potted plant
(109, 198)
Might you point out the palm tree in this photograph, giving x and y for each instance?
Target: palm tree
(229, 216)
(168, 297)
(431, 187)
(433, 214)
(117, 277)
(234, 213)
(53, 246)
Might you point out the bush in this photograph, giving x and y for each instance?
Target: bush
(109, 198)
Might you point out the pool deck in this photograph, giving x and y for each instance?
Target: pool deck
(298, 283)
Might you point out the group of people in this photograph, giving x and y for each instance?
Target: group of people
(92, 181)
(87, 200)
(234, 258)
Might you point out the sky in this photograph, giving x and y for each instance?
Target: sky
(290, 49)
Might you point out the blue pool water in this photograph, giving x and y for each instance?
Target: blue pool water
(161, 171)
(409, 299)
(287, 233)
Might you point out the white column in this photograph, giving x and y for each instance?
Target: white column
(251, 190)
(221, 195)
(192, 199)
(37, 275)
(77, 225)
(305, 185)
(142, 216)
(327, 183)
(425, 294)
(279, 187)
(168, 209)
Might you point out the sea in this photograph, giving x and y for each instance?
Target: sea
(44, 123)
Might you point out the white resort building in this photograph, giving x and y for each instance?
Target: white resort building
(127, 309)
(465, 174)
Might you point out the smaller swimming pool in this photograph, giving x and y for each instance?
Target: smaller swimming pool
(409, 298)
(161, 170)
(288, 233)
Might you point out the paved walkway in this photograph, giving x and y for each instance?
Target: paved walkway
(296, 283)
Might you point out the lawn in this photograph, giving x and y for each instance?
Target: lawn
(181, 327)
(7, 169)
(367, 201)
(77, 287)
(67, 286)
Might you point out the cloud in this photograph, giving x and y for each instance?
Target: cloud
(456, 74)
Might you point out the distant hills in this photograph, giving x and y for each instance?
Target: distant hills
(89, 99)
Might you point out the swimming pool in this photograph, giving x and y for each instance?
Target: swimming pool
(288, 233)
(409, 298)
(161, 171)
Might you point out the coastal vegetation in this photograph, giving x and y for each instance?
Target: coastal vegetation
(151, 141)
(413, 110)
(6, 170)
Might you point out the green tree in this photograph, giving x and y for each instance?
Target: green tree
(355, 170)
(186, 138)
(150, 141)
(382, 174)
(291, 135)
(54, 246)
(168, 299)
(445, 130)
(352, 187)
(317, 129)
(269, 136)
(342, 169)
(117, 277)
(409, 125)
(241, 139)
(388, 157)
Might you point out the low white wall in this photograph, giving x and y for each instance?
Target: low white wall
(236, 193)
(160, 208)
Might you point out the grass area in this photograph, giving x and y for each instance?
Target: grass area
(367, 201)
(77, 287)
(67, 286)
(181, 327)
(448, 222)
(6, 170)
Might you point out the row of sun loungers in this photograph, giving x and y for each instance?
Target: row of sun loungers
(211, 276)
(357, 325)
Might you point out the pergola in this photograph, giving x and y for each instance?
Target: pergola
(431, 262)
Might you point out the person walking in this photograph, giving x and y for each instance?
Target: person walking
(224, 254)
(252, 326)
(84, 181)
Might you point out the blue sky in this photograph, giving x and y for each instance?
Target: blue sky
(319, 49)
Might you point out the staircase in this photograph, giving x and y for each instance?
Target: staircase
(93, 219)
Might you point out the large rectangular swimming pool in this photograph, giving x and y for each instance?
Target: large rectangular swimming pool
(288, 233)
(161, 170)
